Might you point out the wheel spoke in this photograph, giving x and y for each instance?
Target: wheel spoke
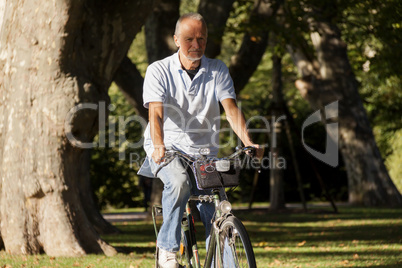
(235, 245)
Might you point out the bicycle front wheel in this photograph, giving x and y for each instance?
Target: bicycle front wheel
(235, 245)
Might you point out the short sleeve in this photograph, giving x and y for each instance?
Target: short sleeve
(224, 84)
(153, 88)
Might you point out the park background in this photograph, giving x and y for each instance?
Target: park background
(286, 58)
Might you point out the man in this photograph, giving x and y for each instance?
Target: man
(182, 93)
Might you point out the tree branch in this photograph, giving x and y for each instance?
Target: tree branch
(215, 13)
(255, 41)
(130, 81)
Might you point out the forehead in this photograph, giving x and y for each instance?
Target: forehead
(190, 26)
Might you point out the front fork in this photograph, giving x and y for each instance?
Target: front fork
(188, 224)
(214, 247)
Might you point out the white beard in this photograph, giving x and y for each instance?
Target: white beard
(193, 59)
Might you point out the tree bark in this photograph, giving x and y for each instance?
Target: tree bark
(55, 56)
(255, 41)
(277, 196)
(328, 79)
(215, 13)
(159, 30)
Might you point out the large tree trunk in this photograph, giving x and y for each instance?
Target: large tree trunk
(55, 55)
(330, 78)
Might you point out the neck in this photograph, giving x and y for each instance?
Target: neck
(189, 64)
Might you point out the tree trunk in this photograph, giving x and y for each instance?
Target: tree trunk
(277, 196)
(159, 30)
(215, 13)
(56, 58)
(330, 78)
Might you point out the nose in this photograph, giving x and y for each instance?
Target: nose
(195, 43)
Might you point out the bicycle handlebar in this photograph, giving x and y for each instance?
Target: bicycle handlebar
(171, 154)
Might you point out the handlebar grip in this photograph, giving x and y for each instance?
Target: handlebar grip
(169, 156)
(252, 150)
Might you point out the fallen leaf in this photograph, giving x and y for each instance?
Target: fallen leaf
(301, 243)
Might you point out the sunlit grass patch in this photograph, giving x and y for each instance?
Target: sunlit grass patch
(355, 237)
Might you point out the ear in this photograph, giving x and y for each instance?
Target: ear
(176, 41)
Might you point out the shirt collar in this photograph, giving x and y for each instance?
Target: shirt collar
(203, 66)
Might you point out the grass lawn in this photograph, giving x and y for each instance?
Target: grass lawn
(355, 237)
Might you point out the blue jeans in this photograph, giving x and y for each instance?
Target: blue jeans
(177, 189)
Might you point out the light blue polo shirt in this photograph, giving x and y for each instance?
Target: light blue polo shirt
(191, 107)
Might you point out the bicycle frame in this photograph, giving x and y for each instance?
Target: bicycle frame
(187, 225)
(188, 228)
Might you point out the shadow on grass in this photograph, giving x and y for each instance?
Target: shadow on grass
(371, 236)
(348, 225)
(136, 237)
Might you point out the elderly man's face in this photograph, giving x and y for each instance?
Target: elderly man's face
(192, 39)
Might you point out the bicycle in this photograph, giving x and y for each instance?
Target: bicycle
(229, 244)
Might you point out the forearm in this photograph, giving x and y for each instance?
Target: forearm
(156, 129)
(156, 124)
(238, 124)
(237, 121)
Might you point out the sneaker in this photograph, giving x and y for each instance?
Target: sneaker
(167, 259)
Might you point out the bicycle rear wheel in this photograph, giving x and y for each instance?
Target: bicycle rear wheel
(236, 248)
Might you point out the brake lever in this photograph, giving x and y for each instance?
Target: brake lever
(253, 155)
(252, 152)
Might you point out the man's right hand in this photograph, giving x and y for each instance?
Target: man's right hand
(158, 154)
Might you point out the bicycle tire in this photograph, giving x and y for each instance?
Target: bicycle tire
(233, 238)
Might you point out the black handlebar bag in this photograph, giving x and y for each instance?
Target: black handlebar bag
(210, 174)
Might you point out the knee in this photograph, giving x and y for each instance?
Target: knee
(179, 183)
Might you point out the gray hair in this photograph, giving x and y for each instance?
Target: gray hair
(191, 15)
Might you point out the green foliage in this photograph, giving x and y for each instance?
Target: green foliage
(113, 168)
(383, 101)
(394, 160)
(138, 53)
(187, 6)
(372, 31)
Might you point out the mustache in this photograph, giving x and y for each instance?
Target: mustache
(195, 50)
